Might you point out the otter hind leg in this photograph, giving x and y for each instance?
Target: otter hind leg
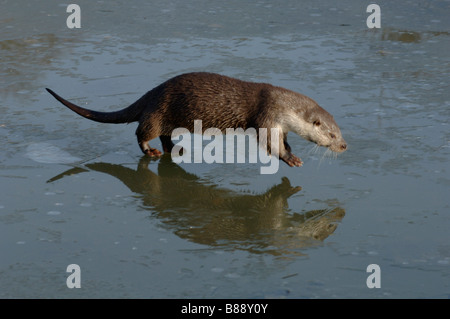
(167, 143)
(143, 138)
(147, 150)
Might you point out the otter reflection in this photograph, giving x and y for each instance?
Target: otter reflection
(206, 214)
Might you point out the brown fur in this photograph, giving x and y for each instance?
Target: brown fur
(222, 102)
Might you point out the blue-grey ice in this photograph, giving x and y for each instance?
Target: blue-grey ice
(49, 154)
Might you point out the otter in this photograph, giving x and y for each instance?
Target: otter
(222, 102)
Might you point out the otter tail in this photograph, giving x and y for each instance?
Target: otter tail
(127, 115)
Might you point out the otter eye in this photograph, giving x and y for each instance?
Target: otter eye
(332, 135)
(316, 122)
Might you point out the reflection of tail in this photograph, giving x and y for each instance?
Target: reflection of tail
(69, 172)
(127, 115)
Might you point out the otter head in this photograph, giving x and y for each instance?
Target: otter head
(324, 131)
(302, 115)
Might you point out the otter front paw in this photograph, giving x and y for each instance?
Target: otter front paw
(292, 160)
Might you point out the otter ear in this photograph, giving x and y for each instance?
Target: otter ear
(316, 122)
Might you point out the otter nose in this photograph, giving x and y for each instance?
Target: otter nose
(344, 147)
